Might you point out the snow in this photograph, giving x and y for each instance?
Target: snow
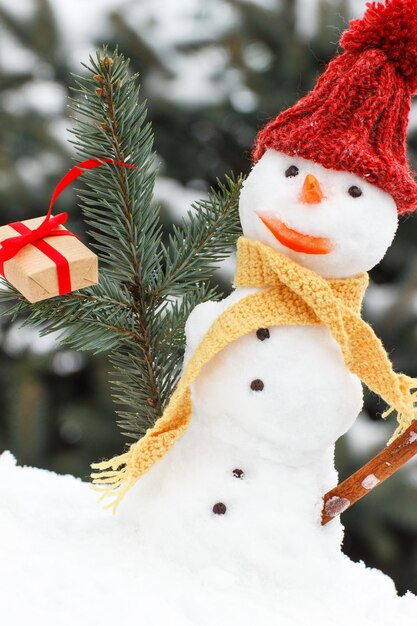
(65, 560)
(198, 79)
(370, 482)
(183, 35)
(281, 432)
(66, 362)
(194, 70)
(307, 17)
(367, 436)
(21, 10)
(356, 8)
(59, 130)
(45, 97)
(336, 506)
(244, 100)
(21, 61)
(33, 170)
(179, 22)
(413, 118)
(81, 23)
(380, 298)
(19, 340)
(412, 437)
(175, 197)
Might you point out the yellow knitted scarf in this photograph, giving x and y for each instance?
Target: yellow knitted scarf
(289, 295)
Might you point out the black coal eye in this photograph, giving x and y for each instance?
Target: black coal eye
(355, 191)
(292, 171)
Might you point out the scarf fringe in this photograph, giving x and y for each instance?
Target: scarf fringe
(114, 478)
(406, 413)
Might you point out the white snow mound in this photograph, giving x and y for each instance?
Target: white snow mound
(66, 561)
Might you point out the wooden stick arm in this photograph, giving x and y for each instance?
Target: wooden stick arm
(381, 467)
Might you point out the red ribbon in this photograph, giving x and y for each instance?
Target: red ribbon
(49, 227)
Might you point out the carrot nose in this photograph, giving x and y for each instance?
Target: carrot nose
(311, 193)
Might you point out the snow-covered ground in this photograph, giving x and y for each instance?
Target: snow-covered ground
(66, 561)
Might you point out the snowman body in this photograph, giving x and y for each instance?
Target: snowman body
(264, 453)
(258, 455)
(285, 388)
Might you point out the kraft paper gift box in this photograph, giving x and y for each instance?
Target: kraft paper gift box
(32, 272)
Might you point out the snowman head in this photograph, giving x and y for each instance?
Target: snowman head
(332, 222)
(331, 172)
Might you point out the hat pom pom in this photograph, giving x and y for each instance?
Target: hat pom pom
(392, 28)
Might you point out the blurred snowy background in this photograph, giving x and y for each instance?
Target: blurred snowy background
(213, 73)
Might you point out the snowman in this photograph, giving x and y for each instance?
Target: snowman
(233, 474)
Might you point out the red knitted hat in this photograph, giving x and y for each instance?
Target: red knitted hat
(356, 117)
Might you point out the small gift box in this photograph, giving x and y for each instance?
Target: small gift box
(46, 266)
(40, 257)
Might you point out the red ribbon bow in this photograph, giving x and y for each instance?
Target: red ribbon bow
(49, 228)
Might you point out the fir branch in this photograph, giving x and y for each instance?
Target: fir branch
(118, 203)
(205, 238)
(118, 206)
(98, 319)
(147, 289)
